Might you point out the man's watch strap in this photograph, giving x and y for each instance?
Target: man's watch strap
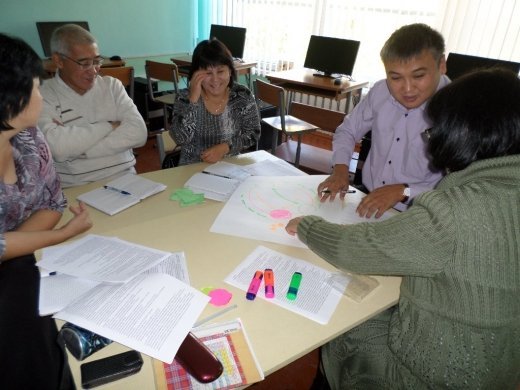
(406, 193)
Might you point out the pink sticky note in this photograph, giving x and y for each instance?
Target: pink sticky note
(220, 297)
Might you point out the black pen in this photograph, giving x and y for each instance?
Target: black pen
(342, 191)
(123, 192)
(214, 174)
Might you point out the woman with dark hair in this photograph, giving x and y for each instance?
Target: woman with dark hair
(31, 205)
(215, 116)
(456, 324)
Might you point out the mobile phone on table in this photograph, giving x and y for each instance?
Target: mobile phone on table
(111, 368)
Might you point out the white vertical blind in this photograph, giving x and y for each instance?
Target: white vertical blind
(486, 28)
(278, 31)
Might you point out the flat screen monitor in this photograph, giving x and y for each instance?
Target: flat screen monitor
(233, 37)
(459, 64)
(45, 30)
(331, 56)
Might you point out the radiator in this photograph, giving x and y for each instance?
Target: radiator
(330, 104)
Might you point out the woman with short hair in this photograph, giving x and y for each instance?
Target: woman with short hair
(457, 248)
(31, 205)
(215, 117)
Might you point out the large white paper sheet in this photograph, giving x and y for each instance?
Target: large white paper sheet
(318, 295)
(152, 313)
(273, 168)
(261, 207)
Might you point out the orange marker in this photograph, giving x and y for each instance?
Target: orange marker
(269, 283)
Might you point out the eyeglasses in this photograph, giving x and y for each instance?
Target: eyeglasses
(86, 63)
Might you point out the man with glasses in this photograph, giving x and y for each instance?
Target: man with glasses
(90, 122)
(397, 167)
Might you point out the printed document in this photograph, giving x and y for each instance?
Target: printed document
(152, 313)
(318, 294)
(57, 291)
(103, 259)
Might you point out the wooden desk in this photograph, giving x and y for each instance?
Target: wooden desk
(241, 67)
(50, 68)
(160, 223)
(303, 81)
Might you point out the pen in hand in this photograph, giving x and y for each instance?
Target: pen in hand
(123, 192)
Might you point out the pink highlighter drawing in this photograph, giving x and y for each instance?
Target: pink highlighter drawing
(254, 285)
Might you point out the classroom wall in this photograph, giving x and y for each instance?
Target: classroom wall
(128, 28)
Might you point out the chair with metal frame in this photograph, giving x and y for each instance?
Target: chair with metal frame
(159, 71)
(169, 151)
(287, 124)
(123, 73)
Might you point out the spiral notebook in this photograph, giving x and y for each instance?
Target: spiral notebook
(121, 193)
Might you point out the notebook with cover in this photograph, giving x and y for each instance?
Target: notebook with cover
(121, 193)
(212, 186)
(230, 343)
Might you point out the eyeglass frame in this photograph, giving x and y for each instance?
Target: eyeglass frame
(426, 134)
(96, 63)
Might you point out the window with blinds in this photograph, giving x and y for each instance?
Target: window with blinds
(278, 31)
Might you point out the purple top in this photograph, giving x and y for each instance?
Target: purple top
(398, 151)
(38, 186)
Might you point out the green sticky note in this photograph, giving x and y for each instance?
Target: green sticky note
(186, 197)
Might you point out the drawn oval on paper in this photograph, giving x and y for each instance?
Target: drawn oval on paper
(280, 214)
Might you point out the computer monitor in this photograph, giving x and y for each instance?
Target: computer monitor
(45, 30)
(331, 56)
(233, 37)
(459, 64)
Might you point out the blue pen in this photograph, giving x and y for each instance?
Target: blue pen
(117, 190)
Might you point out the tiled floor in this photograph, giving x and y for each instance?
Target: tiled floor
(297, 375)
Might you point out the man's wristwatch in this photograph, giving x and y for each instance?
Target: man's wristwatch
(406, 193)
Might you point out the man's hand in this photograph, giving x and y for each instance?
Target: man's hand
(380, 200)
(334, 184)
(215, 153)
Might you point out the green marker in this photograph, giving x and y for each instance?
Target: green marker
(294, 285)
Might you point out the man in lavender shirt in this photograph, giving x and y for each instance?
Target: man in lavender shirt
(397, 167)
